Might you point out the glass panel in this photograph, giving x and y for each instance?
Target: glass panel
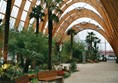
(12, 22)
(1, 16)
(27, 5)
(17, 2)
(21, 25)
(38, 2)
(24, 14)
(3, 6)
(14, 11)
(31, 20)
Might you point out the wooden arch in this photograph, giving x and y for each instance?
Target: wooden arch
(110, 7)
(67, 20)
(93, 3)
(65, 37)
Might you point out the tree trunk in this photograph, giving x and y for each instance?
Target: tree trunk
(33, 65)
(37, 26)
(6, 30)
(50, 27)
(26, 67)
(71, 46)
(22, 61)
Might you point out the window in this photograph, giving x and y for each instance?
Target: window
(3, 6)
(24, 14)
(27, 5)
(31, 20)
(1, 16)
(17, 2)
(21, 25)
(12, 22)
(14, 11)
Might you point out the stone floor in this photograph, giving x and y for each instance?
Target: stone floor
(103, 72)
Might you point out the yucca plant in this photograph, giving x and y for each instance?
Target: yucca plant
(10, 72)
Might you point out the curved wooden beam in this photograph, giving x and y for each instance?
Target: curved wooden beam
(75, 14)
(64, 36)
(111, 8)
(95, 4)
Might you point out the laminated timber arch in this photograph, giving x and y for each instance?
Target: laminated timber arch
(67, 19)
(93, 3)
(64, 36)
(111, 8)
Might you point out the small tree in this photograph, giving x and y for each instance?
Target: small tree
(37, 13)
(28, 48)
(92, 42)
(71, 32)
(51, 5)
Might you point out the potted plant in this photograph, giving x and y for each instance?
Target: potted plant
(8, 72)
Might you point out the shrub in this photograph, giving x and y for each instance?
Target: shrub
(66, 74)
(73, 66)
(34, 80)
(9, 71)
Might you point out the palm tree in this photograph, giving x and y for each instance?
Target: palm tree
(71, 32)
(89, 39)
(37, 12)
(96, 48)
(6, 30)
(92, 42)
(51, 5)
(28, 48)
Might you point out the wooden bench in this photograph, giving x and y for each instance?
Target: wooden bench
(22, 79)
(48, 76)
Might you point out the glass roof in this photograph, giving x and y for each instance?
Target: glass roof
(21, 9)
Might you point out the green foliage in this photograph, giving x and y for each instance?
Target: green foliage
(28, 46)
(14, 71)
(34, 80)
(92, 42)
(73, 66)
(10, 71)
(78, 48)
(51, 5)
(66, 74)
(71, 32)
(37, 11)
(65, 52)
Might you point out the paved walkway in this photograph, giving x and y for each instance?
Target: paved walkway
(103, 72)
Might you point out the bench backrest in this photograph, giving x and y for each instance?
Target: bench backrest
(45, 74)
(22, 79)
